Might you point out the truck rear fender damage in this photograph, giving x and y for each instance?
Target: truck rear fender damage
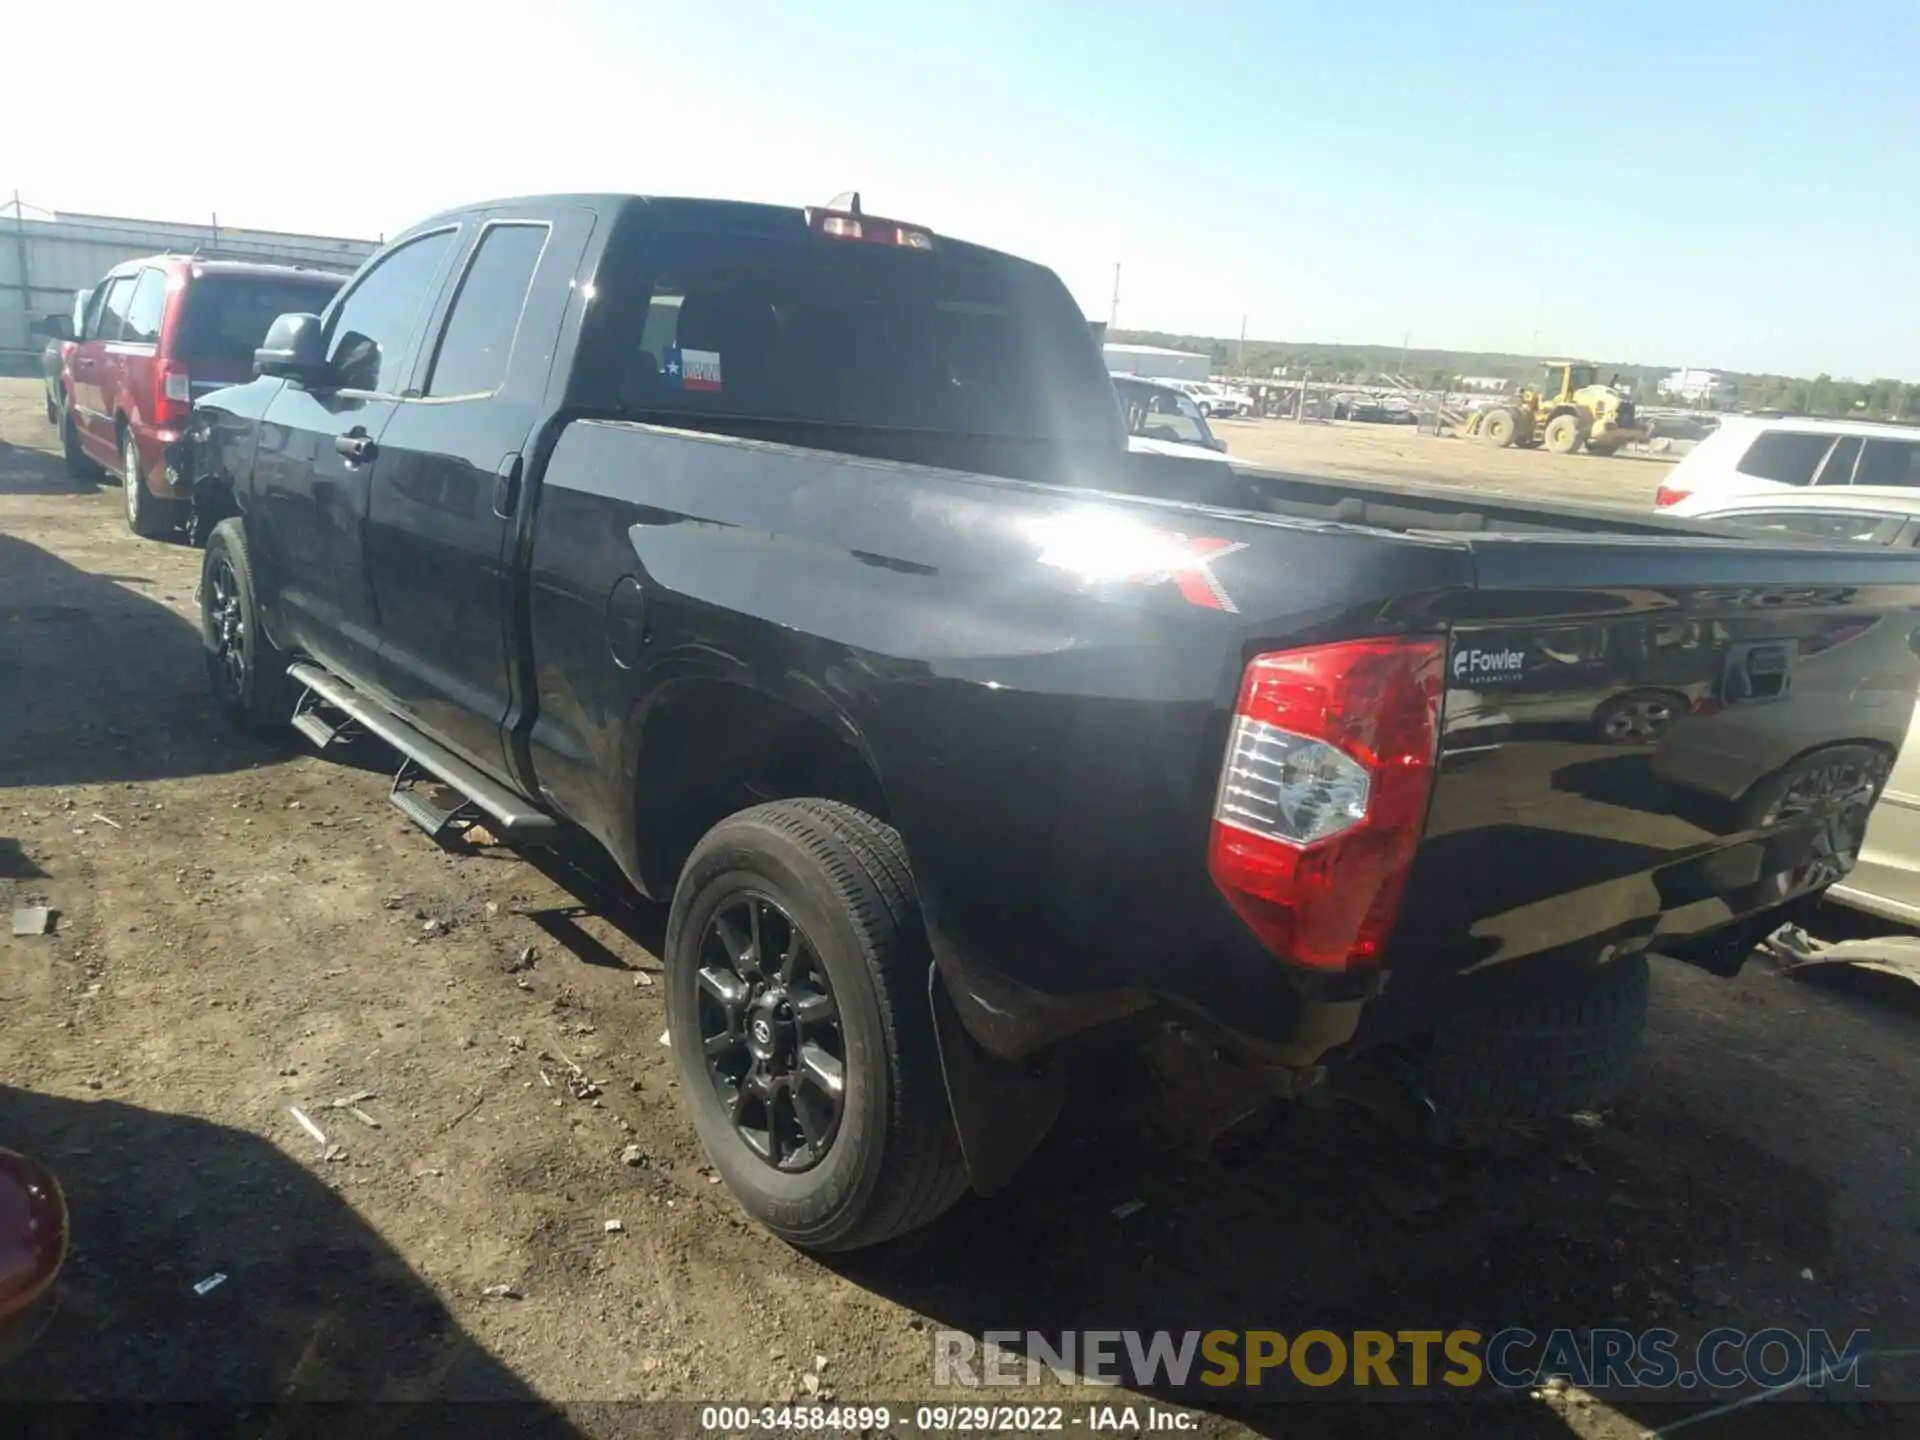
(704, 749)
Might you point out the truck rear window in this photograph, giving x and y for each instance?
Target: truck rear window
(226, 316)
(823, 332)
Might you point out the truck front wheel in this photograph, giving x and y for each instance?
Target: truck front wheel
(796, 967)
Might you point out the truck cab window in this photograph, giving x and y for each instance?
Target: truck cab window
(797, 328)
(367, 344)
(477, 340)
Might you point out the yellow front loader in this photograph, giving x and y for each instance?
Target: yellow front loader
(1566, 410)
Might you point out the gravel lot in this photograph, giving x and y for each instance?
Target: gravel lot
(1397, 452)
(245, 929)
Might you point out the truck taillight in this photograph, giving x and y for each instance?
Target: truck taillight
(172, 393)
(846, 225)
(1324, 794)
(1666, 495)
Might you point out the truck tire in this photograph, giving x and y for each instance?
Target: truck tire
(1497, 427)
(1565, 434)
(1542, 1053)
(247, 673)
(798, 1015)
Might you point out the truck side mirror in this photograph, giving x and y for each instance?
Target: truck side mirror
(295, 349)
(53, 327)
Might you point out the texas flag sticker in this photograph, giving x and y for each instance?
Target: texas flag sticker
(694, 369)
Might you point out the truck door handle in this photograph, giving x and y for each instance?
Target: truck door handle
(357, 448)
(506, 487)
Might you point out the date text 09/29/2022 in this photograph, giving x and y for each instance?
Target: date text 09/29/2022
(945, 1419)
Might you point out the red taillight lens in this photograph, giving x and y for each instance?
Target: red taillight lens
(871, 230)
(1667, 495)
(172, 393)
(1324, 794)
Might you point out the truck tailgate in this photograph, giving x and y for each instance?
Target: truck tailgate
(1630, 758)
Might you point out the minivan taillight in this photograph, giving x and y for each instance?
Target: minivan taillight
(1324, 795)
(172, 393)
(1666, 495)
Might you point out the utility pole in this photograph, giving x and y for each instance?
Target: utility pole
(1240, 356)
(1406, 338)
(1113, 310)
(20, 240)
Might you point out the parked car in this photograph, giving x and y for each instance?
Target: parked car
(59, 331)
(1747, 454)
(1223, 400)
(157, 333)
(1159, 415)
(1885, 881)
(1212, 399)
(799, 558)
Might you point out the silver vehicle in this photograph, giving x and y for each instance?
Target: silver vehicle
(1886, 878)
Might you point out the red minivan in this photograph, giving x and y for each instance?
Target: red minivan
(157, 333)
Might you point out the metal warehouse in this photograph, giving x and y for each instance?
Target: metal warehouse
(1157, 361)
(45, 256)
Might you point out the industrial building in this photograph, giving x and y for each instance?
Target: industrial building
(1699, 387)
(45, 256)
(1154, 361)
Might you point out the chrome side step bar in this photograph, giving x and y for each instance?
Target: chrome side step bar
(514, 816)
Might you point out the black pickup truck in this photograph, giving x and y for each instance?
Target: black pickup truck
(798, 558)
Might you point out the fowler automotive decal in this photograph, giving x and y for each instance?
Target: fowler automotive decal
(1473, 666)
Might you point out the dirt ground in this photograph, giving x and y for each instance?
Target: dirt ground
(1398, 452)
(245, 928)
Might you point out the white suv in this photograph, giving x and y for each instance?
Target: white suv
(1749, 455)
(1211, 398)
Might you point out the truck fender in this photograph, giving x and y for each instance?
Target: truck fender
(1001, 1112)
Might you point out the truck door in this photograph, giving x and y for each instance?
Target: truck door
(319, 449)
(449, 486)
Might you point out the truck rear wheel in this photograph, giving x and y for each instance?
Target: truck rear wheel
(1542, 1053)
(798, 1014)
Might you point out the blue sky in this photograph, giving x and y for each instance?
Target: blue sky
(1720, 183)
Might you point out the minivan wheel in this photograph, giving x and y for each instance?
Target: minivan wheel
(148, 516)
(247, 673)
(79, 467)
(798, 1014)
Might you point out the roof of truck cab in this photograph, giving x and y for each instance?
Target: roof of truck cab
(611, 202)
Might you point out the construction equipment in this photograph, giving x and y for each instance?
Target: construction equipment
(1566, 410)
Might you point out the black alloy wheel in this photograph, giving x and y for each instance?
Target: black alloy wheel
(226, 625)
(771, 1034)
